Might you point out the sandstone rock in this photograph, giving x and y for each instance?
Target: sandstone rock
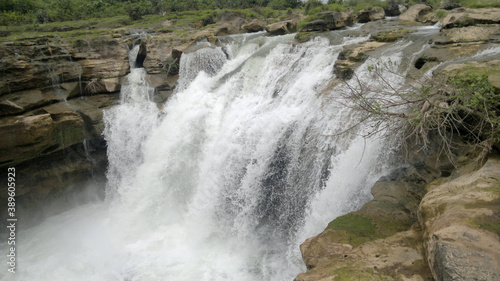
(112, 84)
(381, 241)
(281, 27)
(101, 57)
(90, 109)
(158, 53)
(460, 218)
(352, 57)
(467, 17)
(28, 137)
(254, 26)
(373, 14)
(415, 13)
(178, 50)
(38, 72)
(22, 101)
(228, 28)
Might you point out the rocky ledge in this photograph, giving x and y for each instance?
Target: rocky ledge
(417, 227)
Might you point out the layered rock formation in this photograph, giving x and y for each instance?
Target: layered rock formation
(428, 222)
(52, 96)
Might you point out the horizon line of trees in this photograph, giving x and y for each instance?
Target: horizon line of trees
(43, 11)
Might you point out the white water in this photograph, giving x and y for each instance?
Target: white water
(241, 166)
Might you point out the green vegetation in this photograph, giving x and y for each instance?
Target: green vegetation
(353, 229)
(463, 107)
(15, 12)
(391, 35)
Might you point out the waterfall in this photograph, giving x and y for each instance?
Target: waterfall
(240, 166)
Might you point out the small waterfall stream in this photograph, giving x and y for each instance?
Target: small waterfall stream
(242, 165)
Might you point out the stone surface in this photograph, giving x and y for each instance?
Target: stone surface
(159, 50)
(468, 34)
(415, 13)
(315, 25)
(28, 137)
(254, 26)
(281, 27)
(336, 20)
(466, 17)
(390, 35)
(351, 57)
(381, 241)
(101, 57)
(392, 9)
(373, 14)
(460, 217)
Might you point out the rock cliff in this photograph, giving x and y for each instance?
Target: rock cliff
(431, 221)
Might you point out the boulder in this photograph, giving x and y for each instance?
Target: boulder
(336, 20)
(460, 218)
(352, 57)
(254, 26)
(467, 17)
(415, 13)
(281, 27)
(392, 9)
(373, 14)
(315, 25)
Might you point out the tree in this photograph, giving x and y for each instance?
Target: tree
(463, 107)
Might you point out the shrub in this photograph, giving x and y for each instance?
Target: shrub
(312, 4)
(464, 106)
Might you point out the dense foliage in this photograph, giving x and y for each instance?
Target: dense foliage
(43, 11)
(456, 109)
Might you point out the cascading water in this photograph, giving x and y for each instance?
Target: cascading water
(240, 166)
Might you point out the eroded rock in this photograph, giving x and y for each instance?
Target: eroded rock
(281, 27)
(466, 17)
(415, 13)
(460, 218)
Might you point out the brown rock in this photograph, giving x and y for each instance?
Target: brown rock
(254, 26)
(415, 13)
(460, 219)
(28, 137)
(373, 14)
(22, 101)
(468, 34)
(281, 27)
(466, 17)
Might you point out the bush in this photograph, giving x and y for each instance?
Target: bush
(465, 106)
(312, 4)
